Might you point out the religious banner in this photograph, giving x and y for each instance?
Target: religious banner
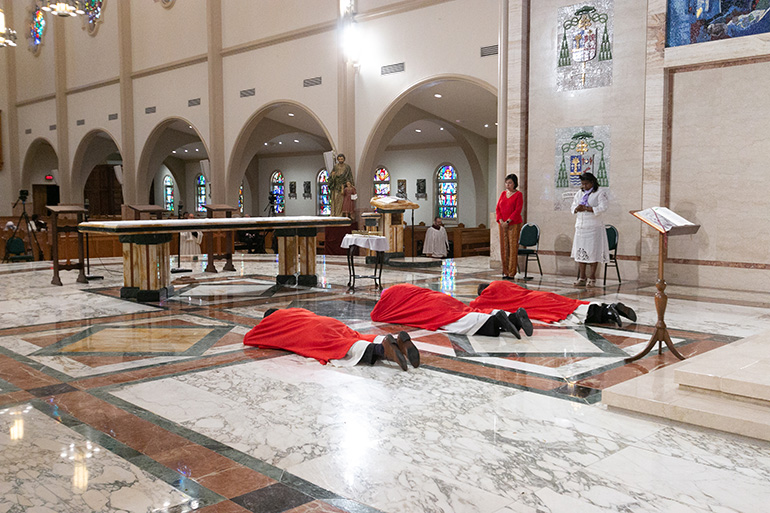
(580, 150)
(585, 45)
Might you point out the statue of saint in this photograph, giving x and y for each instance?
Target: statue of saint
(340, 175)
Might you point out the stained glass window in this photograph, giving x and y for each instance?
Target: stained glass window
(93, 9)
(36, 29)
(381, 182)
(200, 193)
(240, 198)
(324, 204)
(446, 179)
(277, 190)
(168, 193)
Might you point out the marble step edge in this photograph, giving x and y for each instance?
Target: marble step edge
(735, 385)
(739, 368)
(715, 410)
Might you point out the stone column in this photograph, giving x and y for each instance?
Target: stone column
(127, 149)
(656, 134)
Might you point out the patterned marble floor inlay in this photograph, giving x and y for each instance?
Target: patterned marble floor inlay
(117, 406)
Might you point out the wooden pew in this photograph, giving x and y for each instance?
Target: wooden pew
(465, 241)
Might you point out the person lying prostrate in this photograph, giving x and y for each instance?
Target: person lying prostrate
(328, 340)
(547, 306)
(431, 310)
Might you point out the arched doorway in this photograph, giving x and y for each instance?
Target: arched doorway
(98, 165)
(441, 120)
(40, 177)
(174, 169)
(282, 137)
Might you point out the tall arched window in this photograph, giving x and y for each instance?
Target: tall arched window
(276, 188)
(200, 193)
(381, 182)
(324, 202)
(446, 179)
(168, 193)
(240, 198)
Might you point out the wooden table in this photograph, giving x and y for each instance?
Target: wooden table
(146, 248)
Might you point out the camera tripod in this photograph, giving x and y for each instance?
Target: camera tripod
(30, 232)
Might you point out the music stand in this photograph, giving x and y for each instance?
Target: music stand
(666, 223)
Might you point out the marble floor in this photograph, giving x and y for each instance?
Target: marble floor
(112, 405)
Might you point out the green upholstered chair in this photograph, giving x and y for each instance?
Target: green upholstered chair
(529, 243)
(612, 240)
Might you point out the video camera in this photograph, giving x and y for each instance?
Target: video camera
(23, 195)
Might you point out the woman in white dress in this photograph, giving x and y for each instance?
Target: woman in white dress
(590, 246)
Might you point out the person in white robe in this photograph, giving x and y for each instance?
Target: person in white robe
(590, 246)
(436, 241)
(191, 241)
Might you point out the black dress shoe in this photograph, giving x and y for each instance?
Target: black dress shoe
(613, 316)
(625, 311)
(505, 324)
(408, 349)
(390, 348)
(523, 321)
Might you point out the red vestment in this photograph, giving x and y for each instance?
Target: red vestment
(305, 333)
(422, 308)
(540, 305)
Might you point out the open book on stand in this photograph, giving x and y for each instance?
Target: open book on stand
(666, 221)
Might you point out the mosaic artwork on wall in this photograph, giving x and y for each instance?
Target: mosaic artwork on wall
(697, 21)
(585, 45)
(583, 149)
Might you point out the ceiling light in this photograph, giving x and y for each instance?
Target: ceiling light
(437, 95)
(458, 121)
(7, 35)
(196, 149)
(185, 151)
(296, 140)
(173, 151)
(66, 8)
(418, 130)
(190, 126)
(291, 114)
(486, 126)
(441, 128)
(279, 142)
(265, 144)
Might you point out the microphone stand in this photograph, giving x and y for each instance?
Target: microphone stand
(89, 276)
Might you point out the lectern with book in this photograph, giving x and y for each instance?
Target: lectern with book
(667, 223)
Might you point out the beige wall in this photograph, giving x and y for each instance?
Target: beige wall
(93, 58)
(34, 73)
(246, 20)
(620, 106)
(718, 174)
(161, 36)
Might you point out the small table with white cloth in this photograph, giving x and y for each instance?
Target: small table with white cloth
(373, 242)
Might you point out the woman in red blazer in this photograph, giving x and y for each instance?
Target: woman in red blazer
(508, 213)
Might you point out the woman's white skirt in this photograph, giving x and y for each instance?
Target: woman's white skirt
(590, 245)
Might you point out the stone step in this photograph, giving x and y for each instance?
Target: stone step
(741, 368)
(659, 394)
